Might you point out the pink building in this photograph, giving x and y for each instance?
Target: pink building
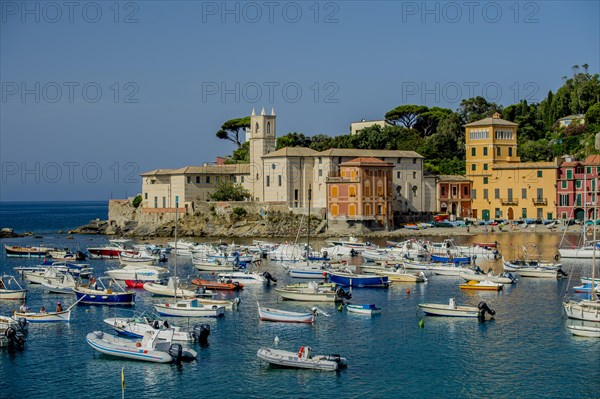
(576, 188)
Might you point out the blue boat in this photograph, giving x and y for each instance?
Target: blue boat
(458, 260)
(358, 280)
(93, 295)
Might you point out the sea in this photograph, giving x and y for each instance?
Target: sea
(525, 352)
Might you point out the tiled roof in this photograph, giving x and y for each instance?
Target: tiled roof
(354, 152)
(366, 161)
(229, 169)
(491, 122)
(453, 178)
(592, 160)
(291, 152)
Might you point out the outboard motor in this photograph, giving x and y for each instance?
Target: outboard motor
(560, 273)
(200, 333)
(343, 294)
(16, 339)
(353, 252)
(325, 254)
(269, 278)
(22, 323)
(511, 276)
(156, 325)
(176, 352)
(483, 309)
(80, 255)
(162, 257)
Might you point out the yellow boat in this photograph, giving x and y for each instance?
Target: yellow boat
(481, 285)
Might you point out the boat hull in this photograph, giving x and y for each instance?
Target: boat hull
(584, 310)
(584, 331)
(105, 298)
(126, 350)
(173, 311)
(363, 309)
(358, 280)
(290, 359)
(308, 296)
(435, 309)
(13, 295)
(50, 317)
(283, 316)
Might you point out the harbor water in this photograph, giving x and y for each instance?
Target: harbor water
(527, 351)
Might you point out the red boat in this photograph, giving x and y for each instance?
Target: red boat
(135, 283)
(218, 285)
(486, 244)
(110, 251)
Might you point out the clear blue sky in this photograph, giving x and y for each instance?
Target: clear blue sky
(162, 68)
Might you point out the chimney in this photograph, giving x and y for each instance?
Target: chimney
(496, 115)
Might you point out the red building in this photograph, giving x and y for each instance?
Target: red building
(362, 193)
(454, 195)
(576, 188)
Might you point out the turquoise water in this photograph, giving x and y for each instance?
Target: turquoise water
(526, 352)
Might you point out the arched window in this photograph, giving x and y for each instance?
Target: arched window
(268, 127)
(256, 127)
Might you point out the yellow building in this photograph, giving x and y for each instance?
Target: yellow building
(503, 186)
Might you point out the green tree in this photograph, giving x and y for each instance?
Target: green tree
(592, 117)
(405, 115)
(240, 154)
(474, 109)
(293, 140)
(227, 190)
(427, 122)
(232, 129)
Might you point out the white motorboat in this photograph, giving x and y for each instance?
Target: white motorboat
(453, 310)
(470, 275)
(285, 316)
(363, 309)
(137, 326)
(11, 289)
(540, 272)
(138, 273)
(402, 276)
(172, 288)
(302, 359)
(150, 349)
(62, 286)
(212, 265)
(313, 293)
(584, 331)
(247, 278)
(189, 308)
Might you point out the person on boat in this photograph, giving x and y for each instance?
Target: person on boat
(43, 310)
(23, 308)
(59, 307)
(93, 284)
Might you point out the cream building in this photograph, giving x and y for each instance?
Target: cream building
(286, 175)
(356, 127)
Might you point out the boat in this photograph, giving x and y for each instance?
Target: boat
(25, 252)
(357, 280)
(66, 255)
(270, 314)
(189, 308)
(484, 285)
(11, 289)
(111, 250)
(315, 273)
(135, 283)
(453, 310)
(313, 292)
(586, 288)
(91, 295)
(137, 326)
(506, 278)
(62, 316)
(584, 331)
(402, 276)
(363, 309)
(302, 359)
(588, 310)
(248, 278)
(64, 285)
(218, 285)
(76, 269)
(212, 265)
(172, 288)
(149, 349)
(541, 272)
(138, 272)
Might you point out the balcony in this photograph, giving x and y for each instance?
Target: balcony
(509, 201)
(540, 201)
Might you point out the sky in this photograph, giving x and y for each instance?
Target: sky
(95, 92)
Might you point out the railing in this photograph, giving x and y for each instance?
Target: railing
(539, 201)
(509, 201)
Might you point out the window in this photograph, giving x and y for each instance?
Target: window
(334, 191)
(497, 193)
(578, 184)
(473, 151)
(380, 190)
(510, 150)
(268, 127)
(466, 191)
(485, 193)
(563, 200)
(352, 191)
(414, 175)
(398, 174)
(268, 181)
(540, 213)
(484, 151)
(578, 200)
(320, 160)
(540, 193)
(189, 179)
(510, 193)
(379, 209)
(485, 180)
(146, 196)
(443, 190)
(485, 166)
(197, 179)
(414, 160)
(367, 191)
(473, 194)
(524, 193)
(368, 210)
(524, 213)
(569, 173)
(208, 179)
(473, 167)
(540, 173)
(563, 184)
(352, 210)
(279, 180)
(334, 209)
(588, 170)
(563, 215)
(320, 172)
(498, 213)
(498, 151)
(242, 179)
(156, 202)
(454, 191)
(164, 202)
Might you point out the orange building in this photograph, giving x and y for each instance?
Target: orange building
(454, 195)
(361, 193)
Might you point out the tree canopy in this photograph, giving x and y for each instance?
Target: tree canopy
(231, 130)
(227, 190)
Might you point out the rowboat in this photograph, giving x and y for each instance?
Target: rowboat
(171, 289)
(270, 314)
(585, 331)
(150, 349)
(46, 317)
(189, 308)
(402, 276)
(363, 309)
(358, 280)
(11, 289)
(302, 359)
(25, 252)
(218, 285)
(484, 285)
(453, 310)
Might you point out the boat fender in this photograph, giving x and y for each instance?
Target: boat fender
(138, 344)
(301, 351)
(557, 257)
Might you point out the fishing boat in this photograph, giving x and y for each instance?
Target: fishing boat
(137, 326)
(63, 316)
(270, 314)
(402, 276)
(302, 359)
(11, 289)
(64, 285)
(25, 252)
(66, 255)
(172, 288)
(92, 295)
(358, 280)
(149, 349)
(189, 308)
(218, 285)
(541, 272)
(484, 285)
(138, 272)
(584, 331)
(453, 310)
(369, 309)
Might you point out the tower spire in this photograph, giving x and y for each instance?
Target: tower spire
(253, 112)
(263, 111)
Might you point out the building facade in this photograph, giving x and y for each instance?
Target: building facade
(356, 127)
(454, 195)
(502, 185)
(577, 192)
(362, 193)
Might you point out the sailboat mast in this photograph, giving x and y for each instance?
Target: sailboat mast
(594, 243)
(176, 223)
(308, 225)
